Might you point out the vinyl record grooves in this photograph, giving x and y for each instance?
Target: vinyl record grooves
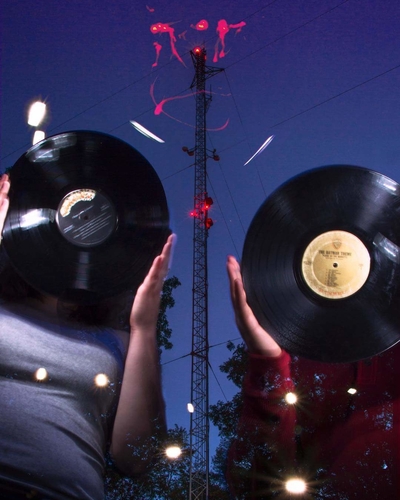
(321, 264)
(87, 216)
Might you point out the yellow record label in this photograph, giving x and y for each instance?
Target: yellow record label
(336, 264)
(73, 198)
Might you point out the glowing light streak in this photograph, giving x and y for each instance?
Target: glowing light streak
(261, 149)
(223, 29)
(38, 136)
(159, 109)
(200, 26)
(190, 408)
(166, 28)
(159, 106)
(145, 132)
(36, 113)
(150, 9)
(158, 48)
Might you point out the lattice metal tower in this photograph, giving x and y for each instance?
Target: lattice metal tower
(199, 422)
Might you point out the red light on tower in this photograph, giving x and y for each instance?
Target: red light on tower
(208, 202)
(199, 52)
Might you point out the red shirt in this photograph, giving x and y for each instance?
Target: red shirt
(345, 446)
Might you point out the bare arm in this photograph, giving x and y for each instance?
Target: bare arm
(257, 340)
(265, 435)
(141, 408)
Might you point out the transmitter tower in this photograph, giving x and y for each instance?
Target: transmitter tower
(199, 421)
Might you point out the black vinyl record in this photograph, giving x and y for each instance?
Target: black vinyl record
(321, 264)
(88, 214)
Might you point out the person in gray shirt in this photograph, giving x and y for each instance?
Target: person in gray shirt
(70, 389)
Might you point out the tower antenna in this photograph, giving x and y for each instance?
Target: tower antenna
(199, 419)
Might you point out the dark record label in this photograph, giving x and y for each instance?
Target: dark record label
(88, 214)
(86, 217)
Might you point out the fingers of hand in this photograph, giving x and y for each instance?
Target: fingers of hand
(230, 267)
(147, 300)
(240, 295)
(4, 178)
(166, 256)
(167, 251)
(235, 281)
(4, 183)
(160, 267)
(4, 204)
(4, 201)
(162, 262)
(4, 189)
(244, 316)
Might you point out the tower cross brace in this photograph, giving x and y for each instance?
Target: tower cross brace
(199, 420)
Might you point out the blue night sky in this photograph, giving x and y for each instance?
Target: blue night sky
(321, 75)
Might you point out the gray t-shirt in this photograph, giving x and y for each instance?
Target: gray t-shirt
(59, 388)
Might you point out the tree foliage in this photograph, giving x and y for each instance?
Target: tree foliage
(169, 479)
(166, 479)
(225, 414)
(164, 332)
(118, 316)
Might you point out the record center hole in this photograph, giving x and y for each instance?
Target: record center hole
(335, 264)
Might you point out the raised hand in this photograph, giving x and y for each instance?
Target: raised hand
(146, 305)
(257, 340)
(141, 408)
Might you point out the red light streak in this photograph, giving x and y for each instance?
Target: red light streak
(166, 28)
(159, 108)
(222, 29)
(200, 26)
(158, 48)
